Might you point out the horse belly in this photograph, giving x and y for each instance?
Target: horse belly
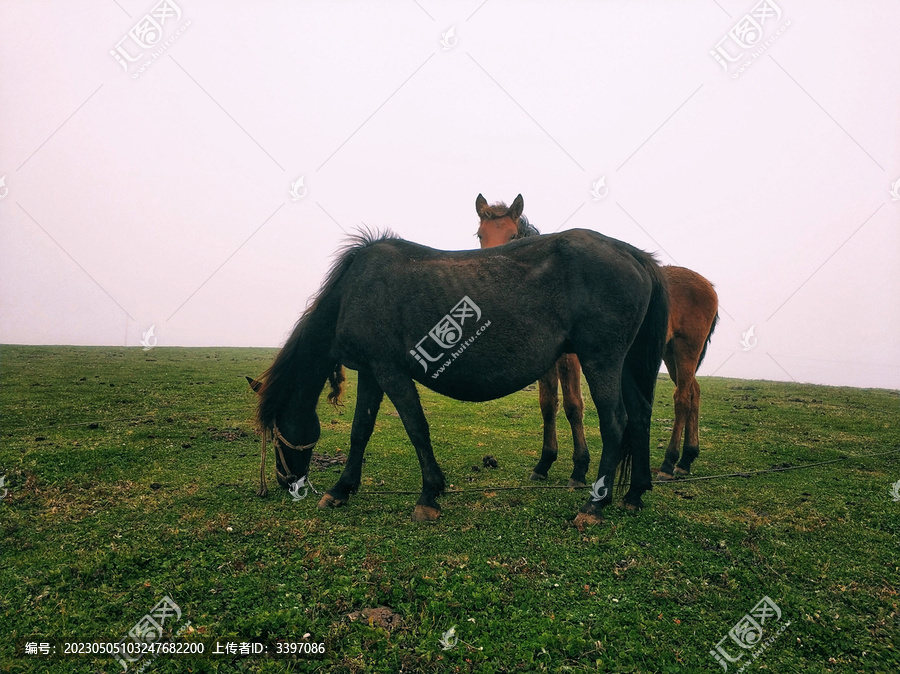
(477, 374)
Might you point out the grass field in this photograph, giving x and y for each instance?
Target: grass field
(130, 476)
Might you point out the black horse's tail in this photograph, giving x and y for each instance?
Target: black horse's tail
(641, 370)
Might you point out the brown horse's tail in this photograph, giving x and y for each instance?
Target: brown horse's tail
(336, 380)
(641, 370)
(708, 337)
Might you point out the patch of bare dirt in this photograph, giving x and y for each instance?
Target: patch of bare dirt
(381, 616)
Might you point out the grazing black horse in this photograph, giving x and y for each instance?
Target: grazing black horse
(473, 325)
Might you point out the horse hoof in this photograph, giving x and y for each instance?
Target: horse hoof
(681, 471)
(633, 507)
(664, 476)
(537, 477)
(575, 484)
(329, 501)
(425, 514)
(583, 520)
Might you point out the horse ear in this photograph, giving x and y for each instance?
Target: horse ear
(255, 384)
(480, 205)
(515, 211)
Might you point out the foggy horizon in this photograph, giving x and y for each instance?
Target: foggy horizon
(194, 166)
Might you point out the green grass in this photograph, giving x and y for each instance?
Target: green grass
(125, 470)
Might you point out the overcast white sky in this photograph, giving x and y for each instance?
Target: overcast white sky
(162, 197)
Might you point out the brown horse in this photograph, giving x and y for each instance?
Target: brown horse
(693, 313)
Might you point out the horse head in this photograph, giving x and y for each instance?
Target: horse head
(499, 223)
(290, 467)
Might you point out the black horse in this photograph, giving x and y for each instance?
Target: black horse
(473, 325)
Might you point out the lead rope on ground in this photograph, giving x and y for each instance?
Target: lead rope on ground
(671, 482)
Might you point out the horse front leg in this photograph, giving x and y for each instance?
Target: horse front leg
(401, 390)
(368, 400)
(548, 387)
(573, 404)
(667, 470)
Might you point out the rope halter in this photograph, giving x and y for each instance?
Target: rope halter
(278, 440)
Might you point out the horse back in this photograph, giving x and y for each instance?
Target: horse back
(513, 309)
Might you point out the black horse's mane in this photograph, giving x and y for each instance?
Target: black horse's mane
(280, 378)
(362, 238)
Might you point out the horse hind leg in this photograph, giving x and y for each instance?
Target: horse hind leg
(605, 384)
(401, 390)
(573, 404)
(548, 386)
(692, 432)
(639, 410)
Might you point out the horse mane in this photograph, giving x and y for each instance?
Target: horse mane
(525, 228)
(498, 209)
(279, 381)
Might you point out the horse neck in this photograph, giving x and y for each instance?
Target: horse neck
(298, 375)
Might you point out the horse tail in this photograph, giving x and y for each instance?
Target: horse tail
(708, 337)
(641, 369)
(337, 379)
